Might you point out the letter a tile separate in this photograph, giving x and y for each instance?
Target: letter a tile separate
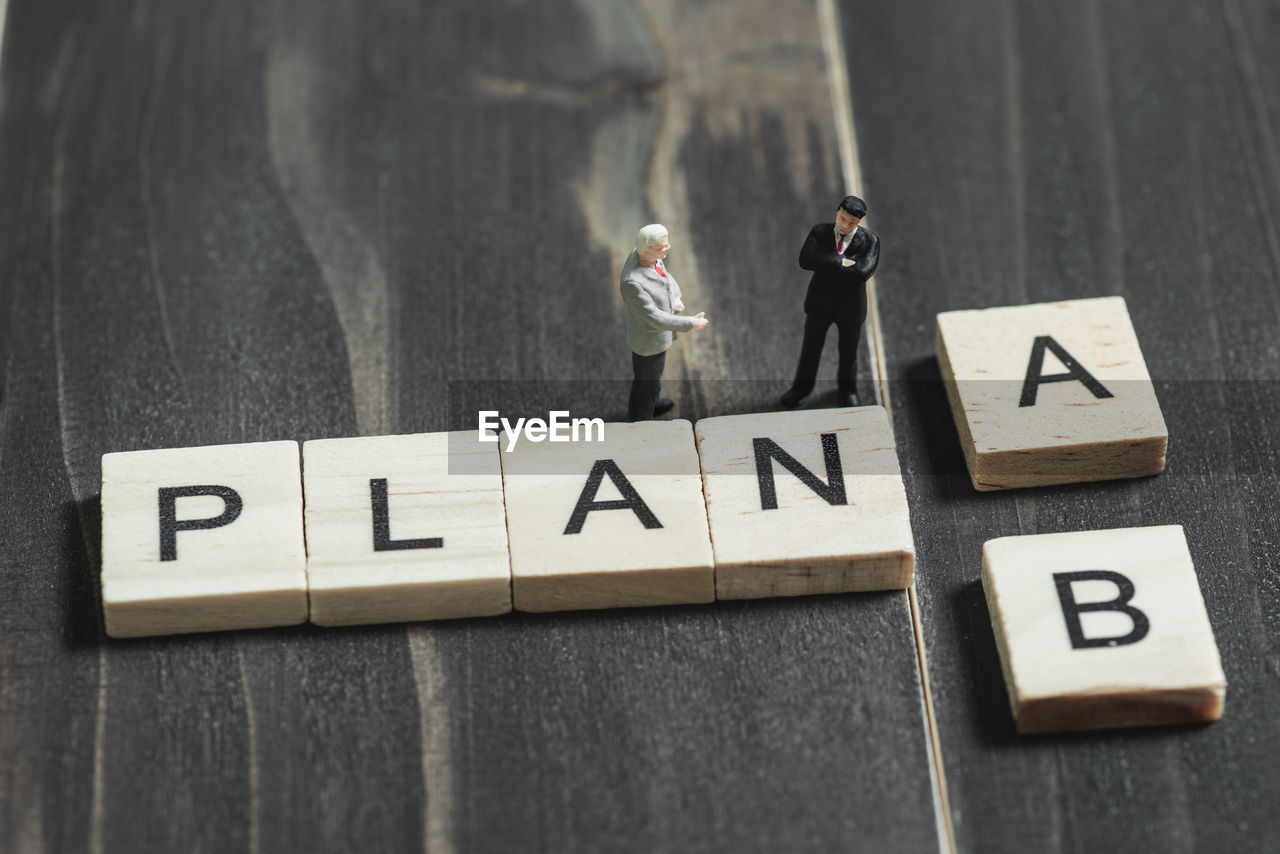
(405, 528)
(1102, 629)
(1050, 393)
(202, 539)
(608, 524)
(805, 502)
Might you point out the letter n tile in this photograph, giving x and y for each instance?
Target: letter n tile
(805, 502)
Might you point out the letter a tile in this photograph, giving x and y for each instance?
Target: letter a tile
(608, 524)
(405, 528)
(1102, 629)
(805, 502)
(202, 539)
(1050, 393)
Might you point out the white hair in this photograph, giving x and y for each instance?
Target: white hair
(650, 235)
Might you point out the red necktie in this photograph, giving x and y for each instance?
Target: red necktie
(839, 241)
(658, 266)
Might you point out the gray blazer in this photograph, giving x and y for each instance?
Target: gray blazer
(652, 322)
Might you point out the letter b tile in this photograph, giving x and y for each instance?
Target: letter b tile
(1102, 629)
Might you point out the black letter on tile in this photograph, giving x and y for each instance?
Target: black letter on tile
(170, 526)
(631, 499)
(1075, 372)
(767, 450)
(1072, 610)
(382, 541)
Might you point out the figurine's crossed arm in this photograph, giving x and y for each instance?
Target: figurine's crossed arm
(865, 264)
(817, 255)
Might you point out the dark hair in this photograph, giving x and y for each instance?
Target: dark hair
(854, 205)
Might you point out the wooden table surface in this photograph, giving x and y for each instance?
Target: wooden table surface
(230, 222)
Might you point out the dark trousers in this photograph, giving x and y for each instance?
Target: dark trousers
(815, 335)
(644, 388)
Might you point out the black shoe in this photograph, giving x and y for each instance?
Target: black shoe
(791, 399)
(848, 398)
(662, 406)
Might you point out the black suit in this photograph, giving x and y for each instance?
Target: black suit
(837, 294)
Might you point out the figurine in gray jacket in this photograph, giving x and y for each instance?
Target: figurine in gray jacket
(653, 319)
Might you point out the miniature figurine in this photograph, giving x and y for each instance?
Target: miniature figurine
(653, 319)
(842, 256)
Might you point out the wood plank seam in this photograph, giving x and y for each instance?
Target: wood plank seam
(847, 144)
(1251, 85)
(4, 10)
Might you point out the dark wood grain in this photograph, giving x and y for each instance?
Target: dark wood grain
(1023, 154)
(237, 222)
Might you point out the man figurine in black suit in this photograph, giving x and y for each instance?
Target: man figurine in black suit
(842, 256)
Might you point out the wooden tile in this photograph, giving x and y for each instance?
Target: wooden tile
(644, 543)
(1050, 393)
(1102, 629)
(202, 539)
(404, 528)
(805, 502)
